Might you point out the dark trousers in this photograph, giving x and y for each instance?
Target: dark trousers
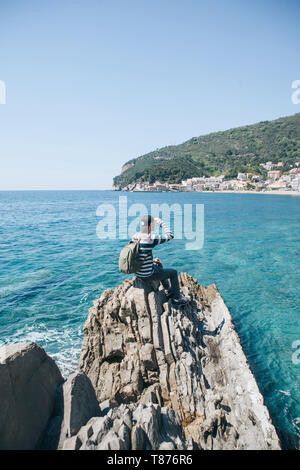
(163, 274)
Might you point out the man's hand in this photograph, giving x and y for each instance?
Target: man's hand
(158, 221)
(157, 261)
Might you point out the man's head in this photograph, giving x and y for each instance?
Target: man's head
(147, 224)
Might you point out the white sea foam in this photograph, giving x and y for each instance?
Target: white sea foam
(67, 342)
(285, 392)
(67, 360)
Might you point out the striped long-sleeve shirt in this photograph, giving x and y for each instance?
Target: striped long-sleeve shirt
(147, 242)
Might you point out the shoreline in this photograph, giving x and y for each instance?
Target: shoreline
(275, 192)
(270, 192)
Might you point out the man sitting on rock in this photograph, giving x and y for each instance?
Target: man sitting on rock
(152, 270)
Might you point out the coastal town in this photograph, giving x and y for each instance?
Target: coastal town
(276, 180)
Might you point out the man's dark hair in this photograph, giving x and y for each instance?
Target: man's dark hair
(146, 222)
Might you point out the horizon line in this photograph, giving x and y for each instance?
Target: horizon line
(7, 190)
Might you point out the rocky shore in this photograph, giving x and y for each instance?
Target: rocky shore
(150, 376)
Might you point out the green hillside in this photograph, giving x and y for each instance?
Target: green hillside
(236, 150)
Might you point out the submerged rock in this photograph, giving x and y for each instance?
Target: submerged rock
(178, 375)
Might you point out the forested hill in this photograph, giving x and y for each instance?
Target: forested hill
(241, 149)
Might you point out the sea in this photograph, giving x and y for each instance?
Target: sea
(54, 263)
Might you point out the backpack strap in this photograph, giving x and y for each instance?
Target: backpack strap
(137, 237)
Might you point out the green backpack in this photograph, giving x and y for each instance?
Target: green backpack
(129, 260)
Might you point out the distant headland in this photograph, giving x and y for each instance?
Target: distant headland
(263, 157)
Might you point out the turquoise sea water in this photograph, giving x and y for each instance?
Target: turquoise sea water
(52, 266)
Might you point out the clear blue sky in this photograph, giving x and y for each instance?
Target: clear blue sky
(91, 84)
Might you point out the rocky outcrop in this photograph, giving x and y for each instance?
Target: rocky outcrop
(175, 377)
(150, 376)
(28, 383)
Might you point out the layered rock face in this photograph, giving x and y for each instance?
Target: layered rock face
(166, 377)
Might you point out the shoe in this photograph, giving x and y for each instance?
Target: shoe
(168, 294)
(180, 301)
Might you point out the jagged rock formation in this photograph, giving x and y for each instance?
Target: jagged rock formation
(175, 377)
(150, 376)
(28, 383)
(132, 427)
(80, 422)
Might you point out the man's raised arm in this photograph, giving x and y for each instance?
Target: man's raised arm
(167, 236)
